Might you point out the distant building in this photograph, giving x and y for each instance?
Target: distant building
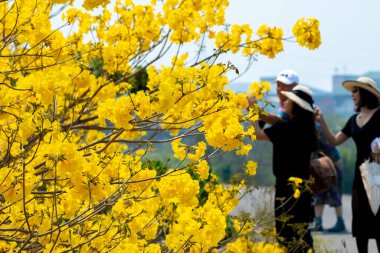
(271, 79)
(337, 81)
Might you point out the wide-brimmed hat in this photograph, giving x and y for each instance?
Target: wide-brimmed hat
(363, 82)
(302, 96)
(288, 77)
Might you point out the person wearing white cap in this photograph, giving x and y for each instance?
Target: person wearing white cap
(363, 127)
(286, 80)
(292, 214)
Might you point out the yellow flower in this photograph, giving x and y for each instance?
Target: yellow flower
(295, 180)
(251, 168)
(295, 183)
(297, 194)
(200, 149)
(202, 169)
(270, 43)
(244, 149)
(179, 149)
(258, 89)
(307, 33)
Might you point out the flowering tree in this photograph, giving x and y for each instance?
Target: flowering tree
(82, 110)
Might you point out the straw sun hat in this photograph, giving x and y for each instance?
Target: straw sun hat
(363, 82)
(302, 96)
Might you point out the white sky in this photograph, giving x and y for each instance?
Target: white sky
(350, 31)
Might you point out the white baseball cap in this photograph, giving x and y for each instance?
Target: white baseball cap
(288, 77)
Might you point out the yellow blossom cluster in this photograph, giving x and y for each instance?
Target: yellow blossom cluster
(270, 42)
(194, 154)
(251, 168)
(258, 89)
(189, 19)
(296, 184)
(201, 236)
(231, 41)
(85, 107)
(307, 32)
(243, 245)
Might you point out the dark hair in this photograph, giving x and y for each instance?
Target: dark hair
(308, 121)
(367, 99)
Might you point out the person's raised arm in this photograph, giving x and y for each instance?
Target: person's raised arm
(267, 117)
(334, 140)
(270, 118)
(259, 132)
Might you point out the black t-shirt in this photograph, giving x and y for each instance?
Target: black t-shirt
(292, 148)
(363, 136)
